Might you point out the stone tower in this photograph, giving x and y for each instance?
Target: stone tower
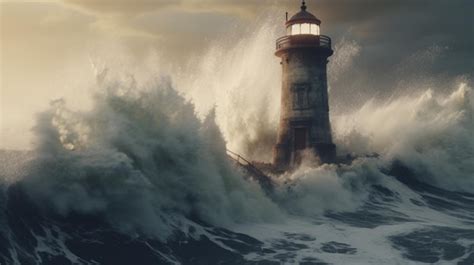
(304, 118)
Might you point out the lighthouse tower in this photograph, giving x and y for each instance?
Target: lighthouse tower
(304, 118)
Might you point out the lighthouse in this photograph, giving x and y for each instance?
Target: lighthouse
(304, 118)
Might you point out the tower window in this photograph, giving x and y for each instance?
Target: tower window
(300, 96)
(314, 29)
(305, 28)
(296, 29)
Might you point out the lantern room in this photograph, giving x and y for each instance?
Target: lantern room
(303, 23)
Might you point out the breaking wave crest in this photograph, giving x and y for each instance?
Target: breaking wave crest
(143, 160)
(430, 133)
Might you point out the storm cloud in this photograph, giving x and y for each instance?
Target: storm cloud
(400, 40)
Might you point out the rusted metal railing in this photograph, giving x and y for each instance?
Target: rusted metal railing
(265, 181)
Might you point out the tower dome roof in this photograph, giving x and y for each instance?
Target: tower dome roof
(303, 17)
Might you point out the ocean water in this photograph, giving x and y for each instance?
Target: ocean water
(142, 177)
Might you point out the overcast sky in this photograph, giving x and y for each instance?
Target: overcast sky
(45, 45)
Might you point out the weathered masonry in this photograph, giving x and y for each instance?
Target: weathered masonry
(304, 118)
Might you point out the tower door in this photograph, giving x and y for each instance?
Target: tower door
(301, 135)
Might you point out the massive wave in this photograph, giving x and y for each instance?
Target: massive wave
(141, 159)
(147, 166)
